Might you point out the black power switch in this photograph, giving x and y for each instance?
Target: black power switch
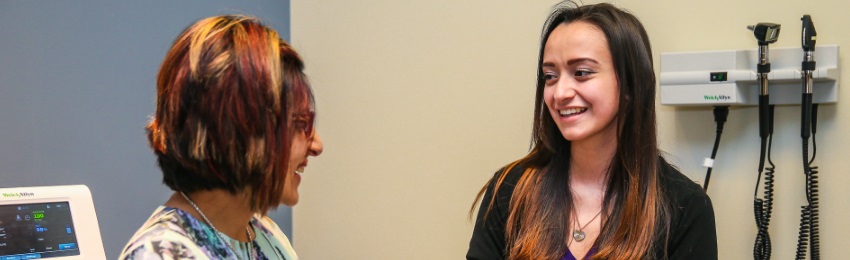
(718, 76)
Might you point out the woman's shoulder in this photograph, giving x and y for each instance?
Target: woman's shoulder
(165, 222)
(677, 186)
(692, 232)
(506, 178)
(168, 233)
(271, 229)
(688, 202)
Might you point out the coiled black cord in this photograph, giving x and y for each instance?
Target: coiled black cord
(809, 213)
(720, 115)
(803, 237)
(813, 192)
(809, 235)
(809, 218)
(814, 224)
(763, 208)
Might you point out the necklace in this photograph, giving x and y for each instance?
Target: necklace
(217, 234)
(578, 233)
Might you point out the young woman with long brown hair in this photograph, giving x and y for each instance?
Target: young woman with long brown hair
(594, 185)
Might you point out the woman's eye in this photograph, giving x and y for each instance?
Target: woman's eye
(583, 73)
(549, 76)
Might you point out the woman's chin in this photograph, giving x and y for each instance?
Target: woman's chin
(290, 199)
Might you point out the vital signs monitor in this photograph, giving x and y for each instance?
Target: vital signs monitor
(52, 222)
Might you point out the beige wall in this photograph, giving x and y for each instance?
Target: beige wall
(421, 101)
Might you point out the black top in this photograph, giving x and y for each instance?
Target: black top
(692, 230)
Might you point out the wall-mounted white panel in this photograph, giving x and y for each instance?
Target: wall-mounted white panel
(729, 77)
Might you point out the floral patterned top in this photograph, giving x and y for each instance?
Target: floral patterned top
(171, 233)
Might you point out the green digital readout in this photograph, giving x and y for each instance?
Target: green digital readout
(38, 214)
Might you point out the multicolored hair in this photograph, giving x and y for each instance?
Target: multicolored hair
(227, 93)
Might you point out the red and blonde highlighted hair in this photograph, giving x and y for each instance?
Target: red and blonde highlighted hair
(227, 91)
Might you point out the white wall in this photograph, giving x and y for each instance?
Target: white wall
(420, 102)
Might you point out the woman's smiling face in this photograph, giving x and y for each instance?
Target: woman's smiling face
(581, 89)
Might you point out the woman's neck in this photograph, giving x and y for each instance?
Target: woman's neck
(590, 161)
(229, 213)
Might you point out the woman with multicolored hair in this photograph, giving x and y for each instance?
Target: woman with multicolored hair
(232, 132)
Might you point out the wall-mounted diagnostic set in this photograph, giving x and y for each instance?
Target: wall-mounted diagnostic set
(762, 77)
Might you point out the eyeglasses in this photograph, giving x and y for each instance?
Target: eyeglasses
(305, 122)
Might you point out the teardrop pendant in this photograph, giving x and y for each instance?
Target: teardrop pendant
(578, 235)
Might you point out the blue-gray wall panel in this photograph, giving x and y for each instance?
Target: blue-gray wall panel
(77, 84)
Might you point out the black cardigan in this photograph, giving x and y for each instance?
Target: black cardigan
(692, 230)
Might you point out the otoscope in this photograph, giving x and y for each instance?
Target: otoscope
(809, 226)
(765, 33)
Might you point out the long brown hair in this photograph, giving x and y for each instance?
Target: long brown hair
(635, 210)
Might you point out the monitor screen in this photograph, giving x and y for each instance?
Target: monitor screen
(37, 230)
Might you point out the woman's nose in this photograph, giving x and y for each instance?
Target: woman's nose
(316, 146)
(565, 89)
